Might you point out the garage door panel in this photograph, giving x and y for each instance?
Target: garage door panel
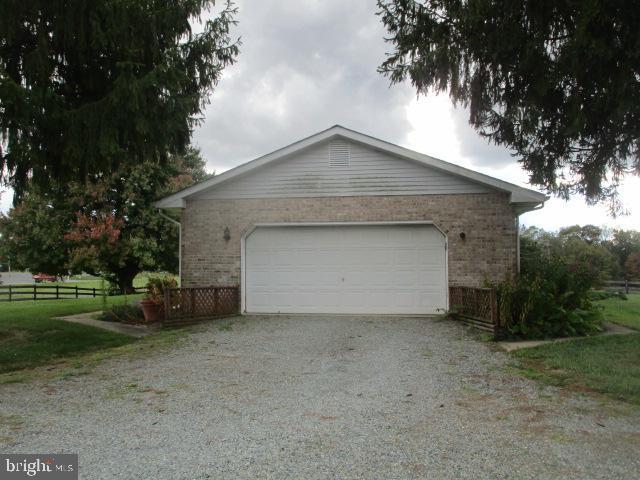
(345, 269)
(362, 256)
(259, 258)
(371, 277)
(261, 279)
(407, 278)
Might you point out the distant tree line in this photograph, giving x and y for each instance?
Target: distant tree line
(606, 254)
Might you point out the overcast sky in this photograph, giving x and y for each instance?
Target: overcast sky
(308, 64)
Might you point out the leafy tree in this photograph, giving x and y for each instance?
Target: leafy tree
(531, 249)
(622, 244)
(4, 256)
(117, 231)
(33, 234)
(191, 168)
(632, 266)
(591, 258)
(590, 234)
(107, 226)
(578, 248)
(88, 85)
(558, 82)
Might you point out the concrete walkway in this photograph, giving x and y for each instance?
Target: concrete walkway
(609, 329)
(124, 328)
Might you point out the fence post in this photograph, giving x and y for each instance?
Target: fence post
(94, 292)
(493, 299)
(35, 295)
(9, 292)
(76, 291)
(167, 303)
(57, 292)
(626, 286)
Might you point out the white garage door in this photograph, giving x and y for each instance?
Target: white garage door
(382, 269)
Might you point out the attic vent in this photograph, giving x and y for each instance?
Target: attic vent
(339, 154)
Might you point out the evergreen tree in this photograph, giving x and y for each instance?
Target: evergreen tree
(556, 81)
(88, 85)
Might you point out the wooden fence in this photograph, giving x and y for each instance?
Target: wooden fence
(16, 293)
(623, 285)
(477, 307)
(183, 306)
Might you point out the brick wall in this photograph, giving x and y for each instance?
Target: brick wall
(487, 253)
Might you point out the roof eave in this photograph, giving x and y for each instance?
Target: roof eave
(528, 196)
(524, 206)
(171, 201)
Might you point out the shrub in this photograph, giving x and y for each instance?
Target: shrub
(597, 295)
(113, 289)
(157, 285)
(549, 299)
(123, 313)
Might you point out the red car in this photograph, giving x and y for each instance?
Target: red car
(44, 277)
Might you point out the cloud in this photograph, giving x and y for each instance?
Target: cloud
(304, 66)
(6, 199)
(475, 147)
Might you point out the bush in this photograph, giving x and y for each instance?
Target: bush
(597, 295)
(549, 299)
(113, 290)
(123, 314)
(157, 285)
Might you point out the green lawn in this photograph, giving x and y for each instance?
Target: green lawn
(30, 337)
(605, 364)
(624, 312)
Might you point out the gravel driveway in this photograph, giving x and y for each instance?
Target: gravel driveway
(321, 397)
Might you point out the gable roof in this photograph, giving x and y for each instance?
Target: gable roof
(519, 195)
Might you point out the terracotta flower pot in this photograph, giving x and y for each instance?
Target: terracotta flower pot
(152, 310)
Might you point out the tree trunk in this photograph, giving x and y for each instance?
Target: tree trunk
(125, 279)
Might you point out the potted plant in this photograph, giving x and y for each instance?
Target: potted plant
(153, 303)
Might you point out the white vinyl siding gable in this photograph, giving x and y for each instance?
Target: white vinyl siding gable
(364, 172)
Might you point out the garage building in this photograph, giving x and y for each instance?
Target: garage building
(341, 222)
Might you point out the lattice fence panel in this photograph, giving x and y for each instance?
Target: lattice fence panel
(476, 306)
(183, 305)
